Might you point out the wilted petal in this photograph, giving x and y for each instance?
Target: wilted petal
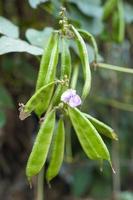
(67, 95)
(74, 101)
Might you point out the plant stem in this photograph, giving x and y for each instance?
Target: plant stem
(40, 185)
(113, 103)
(115, 68)
(68, 142)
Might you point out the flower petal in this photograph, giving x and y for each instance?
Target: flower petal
(74, 101)
(66, 96)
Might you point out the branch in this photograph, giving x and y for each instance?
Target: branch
(113, 67)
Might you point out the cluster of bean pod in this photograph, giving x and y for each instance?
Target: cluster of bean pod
(114, 11)
(47, 101)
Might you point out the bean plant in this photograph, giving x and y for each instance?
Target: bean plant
(63, 86)
(57, 96)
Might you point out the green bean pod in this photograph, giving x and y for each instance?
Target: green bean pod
(39, 97)
(59, 90)
(101, 127)
(88, 136)
(51, 68)
(115, 26)
(75, 76)
(89, 37)
(41, 146)
(121, 24)
(65, 69)
(57, 152)
(45, 62)
(50, 75)
(85, 62)
(65, 59)
(109, 8)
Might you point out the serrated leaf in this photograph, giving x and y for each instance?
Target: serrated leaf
(8, 28)
(38, 38)
(35, 3)
(8, 45)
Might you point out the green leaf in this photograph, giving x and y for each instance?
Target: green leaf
(38, 38)
(2, 118)
(5, 98)
(8, 28)
(88, 136)
(35, 3)
(8, 45)
(89, 7)
(93, 25)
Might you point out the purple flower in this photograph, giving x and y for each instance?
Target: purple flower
(71, 98)
(67, 95)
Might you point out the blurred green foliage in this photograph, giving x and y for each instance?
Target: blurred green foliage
(35, 20)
